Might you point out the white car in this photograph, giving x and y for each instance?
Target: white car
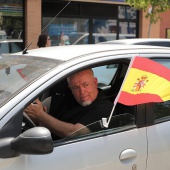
(138, 137)
(141, 41)
(82, 38)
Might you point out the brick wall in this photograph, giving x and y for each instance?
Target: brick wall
(32, 22)
(165, 23)
(144, 27)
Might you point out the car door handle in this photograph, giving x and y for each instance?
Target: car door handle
(128, 155)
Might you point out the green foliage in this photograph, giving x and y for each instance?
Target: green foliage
(158, 6)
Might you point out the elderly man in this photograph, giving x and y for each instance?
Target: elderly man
(90, 106)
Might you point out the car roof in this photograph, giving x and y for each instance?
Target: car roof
(136, 40)
(65, 53)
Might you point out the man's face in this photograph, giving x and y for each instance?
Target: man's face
(84, 87)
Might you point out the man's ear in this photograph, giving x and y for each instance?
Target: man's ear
(96, 81)
(70, 89)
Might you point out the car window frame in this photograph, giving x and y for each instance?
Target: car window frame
(38, 90)
(98, 134)
(150, 115)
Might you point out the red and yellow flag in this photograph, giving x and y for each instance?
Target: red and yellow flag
(146, 81)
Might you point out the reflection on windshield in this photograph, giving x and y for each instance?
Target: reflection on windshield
(16, 72)
(116, 123)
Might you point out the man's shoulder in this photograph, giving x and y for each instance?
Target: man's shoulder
(102, 97)
(102, 101)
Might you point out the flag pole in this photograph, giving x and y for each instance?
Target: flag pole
(104, 120)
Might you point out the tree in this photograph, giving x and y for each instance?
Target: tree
(153, 8)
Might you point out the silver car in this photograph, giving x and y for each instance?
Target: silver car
(138, 137)
(164, 42)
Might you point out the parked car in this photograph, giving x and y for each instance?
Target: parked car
(138, 137)
(142, 41)
(3, 34)
(82, 38)
(11, 46)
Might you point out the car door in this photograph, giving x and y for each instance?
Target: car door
(123, 147)
(158, 134)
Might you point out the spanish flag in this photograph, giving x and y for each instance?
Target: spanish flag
(146, 81)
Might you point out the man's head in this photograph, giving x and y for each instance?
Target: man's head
(83, 86)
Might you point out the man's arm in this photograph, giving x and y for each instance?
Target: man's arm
(58, 127)
(62, 129)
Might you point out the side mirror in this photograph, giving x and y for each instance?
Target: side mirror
(34, 141)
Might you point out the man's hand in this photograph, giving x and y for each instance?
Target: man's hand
(35, 110)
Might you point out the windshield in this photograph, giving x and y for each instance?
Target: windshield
(16, 72)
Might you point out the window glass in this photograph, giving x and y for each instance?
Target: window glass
(104, 30)
(105, 73)
(11, 22)
(164, 44)
(127, 28)
(4, 48)
(74, 28)
(17, 72)
(165, 62)
(94, 27)
(117, 124)
(126, 12)
(16, 47)
(162, 110)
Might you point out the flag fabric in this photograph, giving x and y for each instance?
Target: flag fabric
(146, 81)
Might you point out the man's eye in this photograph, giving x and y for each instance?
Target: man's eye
(85, 85)
(75, 88)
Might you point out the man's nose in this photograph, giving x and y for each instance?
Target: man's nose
(82, 89)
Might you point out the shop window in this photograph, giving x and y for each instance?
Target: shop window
(162, 110)
(84, 25)
(75, 28)
(127, 28)
(126, 12)
(11, 22)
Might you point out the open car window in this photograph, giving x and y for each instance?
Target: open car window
(117, 124)
(105, 73)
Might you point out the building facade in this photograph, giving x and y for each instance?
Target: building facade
(83, 21)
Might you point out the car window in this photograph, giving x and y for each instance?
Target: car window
(142, 43)
(117, 123)
(161, 43)
(105, 73)
(162, 110)
(16, 47)
(4, 48)
(17, 72)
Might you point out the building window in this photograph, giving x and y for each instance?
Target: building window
(11, 25)
(11, 19)
(75, 28)
(84, 25)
